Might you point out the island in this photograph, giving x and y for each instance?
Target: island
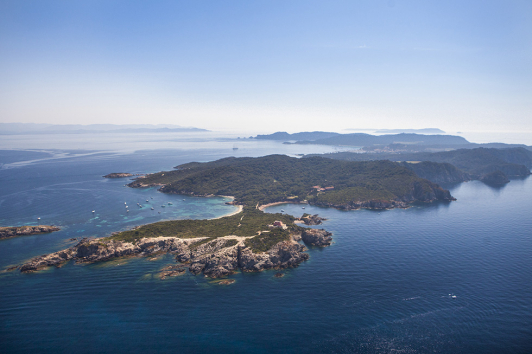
(14, 231)
(118, 175)
(252, 240)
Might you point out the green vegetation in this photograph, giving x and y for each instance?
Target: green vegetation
(266, 240)
(468, 163)
(278, 178)
(253, 221)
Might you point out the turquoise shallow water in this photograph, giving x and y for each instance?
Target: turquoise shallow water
(385, 285)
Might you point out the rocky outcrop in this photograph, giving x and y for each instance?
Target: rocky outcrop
(214, 258)
(97, 250)
(286, 254)
(311, 219)
(8, 232)
(118, 175)
(316, 237)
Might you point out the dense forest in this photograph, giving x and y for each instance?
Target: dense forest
(278, 178)
(469, 163)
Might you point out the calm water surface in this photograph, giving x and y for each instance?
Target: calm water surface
(439, 278)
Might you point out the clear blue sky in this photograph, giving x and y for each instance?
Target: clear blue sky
(270, 65)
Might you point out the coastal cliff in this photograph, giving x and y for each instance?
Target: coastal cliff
(214, 258)
(8, 232)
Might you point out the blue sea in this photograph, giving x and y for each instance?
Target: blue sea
(435, 278)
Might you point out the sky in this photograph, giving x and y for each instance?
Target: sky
(269, 65)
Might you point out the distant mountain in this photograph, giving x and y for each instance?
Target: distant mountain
(29, 128)
(284, 136)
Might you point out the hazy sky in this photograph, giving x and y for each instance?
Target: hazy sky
(271, 65)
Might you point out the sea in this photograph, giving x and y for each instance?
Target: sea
(453, 277)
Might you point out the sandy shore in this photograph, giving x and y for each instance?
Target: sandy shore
(262, 207)
(239, 210)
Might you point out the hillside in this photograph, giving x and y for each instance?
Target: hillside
(513, 162)
(276, 178)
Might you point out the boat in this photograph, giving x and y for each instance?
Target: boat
(38, 218)
(152, 208)
(94, 211)
(302, 207)
(125, 203)
(170, 203)
(146, 200)
(162, 206)
(282, 210)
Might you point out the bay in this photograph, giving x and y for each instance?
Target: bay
(443, 277)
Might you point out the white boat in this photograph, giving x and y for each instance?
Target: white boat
(146, 200)
(94, 211)
(152, 208)
(38, 218)
(282, 210)
(162, 206)
(170, 203)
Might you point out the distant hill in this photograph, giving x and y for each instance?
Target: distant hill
(30, 128)
(415, 131)
(475, 163)
(284, 136)
(362, 139)
(320, 181)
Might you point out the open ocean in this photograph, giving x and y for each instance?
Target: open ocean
(436, 278)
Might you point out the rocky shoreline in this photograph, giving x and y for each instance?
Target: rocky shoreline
(14, 231)
(215, 258)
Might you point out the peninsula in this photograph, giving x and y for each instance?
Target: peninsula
(250, 241)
